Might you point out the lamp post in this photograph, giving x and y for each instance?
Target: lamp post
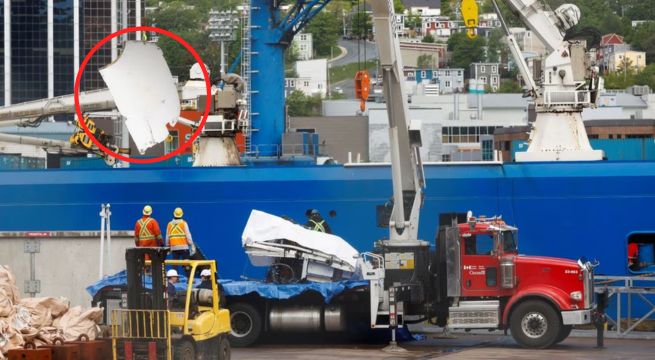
(222, 29)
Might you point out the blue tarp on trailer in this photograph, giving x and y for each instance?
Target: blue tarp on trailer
(237, 288)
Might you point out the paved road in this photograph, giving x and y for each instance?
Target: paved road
(351, 56)
(348, 86)
(463, 347)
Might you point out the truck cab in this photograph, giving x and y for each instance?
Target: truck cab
(489, 285)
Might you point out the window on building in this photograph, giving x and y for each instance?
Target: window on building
(639, 136)
(507, 145)
(303, 37)
(447, 73)
(611, 136)
(459, 72)
(483, 79)
(306, 83)
(483, 69)
(494, 80)
(445, 157)
(487, 150)
(447, 83)
(594, 136)
(494, 69)
(320, 86)
(423, 74)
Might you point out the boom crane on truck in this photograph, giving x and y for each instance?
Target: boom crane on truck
(459, 284)
(567, 83)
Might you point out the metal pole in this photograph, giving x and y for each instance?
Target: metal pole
(222, 57)
(114, 28)
(124, 20)
(618, 312)
(109, 235)
(102, 242)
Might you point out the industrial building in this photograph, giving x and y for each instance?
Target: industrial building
(44, 42)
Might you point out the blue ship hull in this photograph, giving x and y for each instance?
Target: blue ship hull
(561, 209)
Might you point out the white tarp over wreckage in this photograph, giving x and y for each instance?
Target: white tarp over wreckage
(144, 92)
(268, 237)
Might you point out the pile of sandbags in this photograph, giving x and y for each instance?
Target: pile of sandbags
(40, 320)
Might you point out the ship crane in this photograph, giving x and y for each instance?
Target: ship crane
(568, 82)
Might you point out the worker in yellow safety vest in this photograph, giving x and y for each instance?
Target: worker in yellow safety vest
(146, 230)
(315, 222)
(178, 237)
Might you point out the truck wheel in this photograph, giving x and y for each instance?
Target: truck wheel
(564, 332)
(184, 350)
(246, 324)
(224, 351)
(535, 324)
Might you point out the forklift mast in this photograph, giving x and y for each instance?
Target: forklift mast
(138, 296)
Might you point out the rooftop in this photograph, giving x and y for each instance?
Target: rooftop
(433, 4)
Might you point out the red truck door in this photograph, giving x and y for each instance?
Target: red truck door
(480, 265)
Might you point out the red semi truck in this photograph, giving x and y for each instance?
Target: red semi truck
(475, 279)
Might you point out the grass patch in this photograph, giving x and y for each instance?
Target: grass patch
(348, 71)
(336, 51)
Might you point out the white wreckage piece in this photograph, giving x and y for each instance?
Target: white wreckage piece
(144, 92)
(268, 238)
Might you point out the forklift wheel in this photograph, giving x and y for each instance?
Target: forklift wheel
(185, 350)
(224, 351)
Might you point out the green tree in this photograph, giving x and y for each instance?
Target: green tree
(413, 21)
(446, 8)
(509, 86)
(428, 39)
(187, 23)
(299, 104)
(646, 76)
(361, 24)
(643, 38)
(465, 51)
(325, 29)
(496, 46)
(425, 61)
(398, 6)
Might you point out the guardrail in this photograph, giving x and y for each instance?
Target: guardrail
(617, 286)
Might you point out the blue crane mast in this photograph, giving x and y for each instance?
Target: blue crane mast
(271, 32)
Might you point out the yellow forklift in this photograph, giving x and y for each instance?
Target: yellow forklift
(152, 326)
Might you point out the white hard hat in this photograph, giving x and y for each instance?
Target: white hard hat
(172, 273)
(206, 272)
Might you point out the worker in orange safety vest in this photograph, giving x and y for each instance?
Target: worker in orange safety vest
(146, 230)
(178, 237)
